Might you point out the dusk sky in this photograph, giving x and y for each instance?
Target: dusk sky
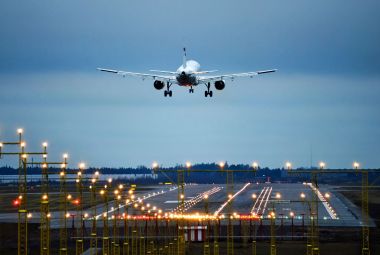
(325, 96)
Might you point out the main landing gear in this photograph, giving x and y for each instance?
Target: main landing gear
(191, 90)
(168, 92)
(208, 92)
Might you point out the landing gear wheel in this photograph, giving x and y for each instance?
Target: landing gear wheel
(206, 93)
(165, 93)
(170, 93)
(210, 93)
(191, 90)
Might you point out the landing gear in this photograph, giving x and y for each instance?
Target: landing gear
(191, 90)
(168, 92)
(208, 92)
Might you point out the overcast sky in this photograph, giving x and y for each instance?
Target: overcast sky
(325, 97)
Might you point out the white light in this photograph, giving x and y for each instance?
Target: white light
(65, 156)
(255, 165)
(322, 165)
(154, 165)
(188, 164)
(1, 145)
(254, 196)
(97, 173)
(20, 131)
(288, 165)
(45, 144)
(356, 165)
(23, 144)
(82, 165)
(222, 164)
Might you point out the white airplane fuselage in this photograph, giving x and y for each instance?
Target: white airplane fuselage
(187, 74)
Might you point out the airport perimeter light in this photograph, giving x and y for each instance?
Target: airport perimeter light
(356, 165)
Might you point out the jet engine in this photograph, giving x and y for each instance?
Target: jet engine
(219, 85)
(158, 85)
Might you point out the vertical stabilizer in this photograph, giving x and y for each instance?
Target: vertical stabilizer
(184, 58)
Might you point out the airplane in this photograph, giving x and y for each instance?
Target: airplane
(188, 75)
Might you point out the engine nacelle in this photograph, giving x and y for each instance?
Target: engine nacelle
(158, 85)
(219, 85)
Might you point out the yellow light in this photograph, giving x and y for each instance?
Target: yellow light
(135, 205)
(105, 215)
(116, 192)
(272, 214)
(48, 215)
(182, 196)
(63, 165)
(1, 145)
(97, 173)
(79, 173)
(254, 196)
(77, 180)
(44, 144)
(118, 197)
(20, 197)
(93, 180)
(82, 165)
(20, 131)
(69, 197)
(45, 197)
(229, 196)
(160, 211)
(222, 164)
(327, 195)
(130, 191)
(288, 165)
(302, 195)
(154, 165)
(62, 173)
(109, 180)
(142, 208)
(255, 165)
(133, 197)
(356, 165)
(278, 195)
(67, 215)
(23, 144)
(121, 186)
(205, 196)
(188, 164)
(322, 165)
(127, 201)
(44, 165)
(101, 192)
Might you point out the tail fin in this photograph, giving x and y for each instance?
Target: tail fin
(184, 58)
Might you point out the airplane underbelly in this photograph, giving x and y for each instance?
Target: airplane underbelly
(186, 80)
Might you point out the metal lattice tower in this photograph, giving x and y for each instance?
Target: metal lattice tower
(206, 245)
(93, 240)
(80, 218)
(365, 216)
(273, 249)
(105, 247)
(44, 213)
(230, 227)
(314, 217)
(181, 209)
(63, 209)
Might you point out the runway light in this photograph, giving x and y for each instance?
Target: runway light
(356, 165)
(322, 165)
(255, 165)
(288, 165)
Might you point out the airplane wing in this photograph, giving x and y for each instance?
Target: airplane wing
(205, 79)
(168, 78)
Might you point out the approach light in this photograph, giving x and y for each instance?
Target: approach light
(255, 165)
(154, 165)
(20, 131)
(188, 164)
(322, 165)
(44, 144)
(222, 164)
(356, 165)
(82, 166)
(288, 165)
